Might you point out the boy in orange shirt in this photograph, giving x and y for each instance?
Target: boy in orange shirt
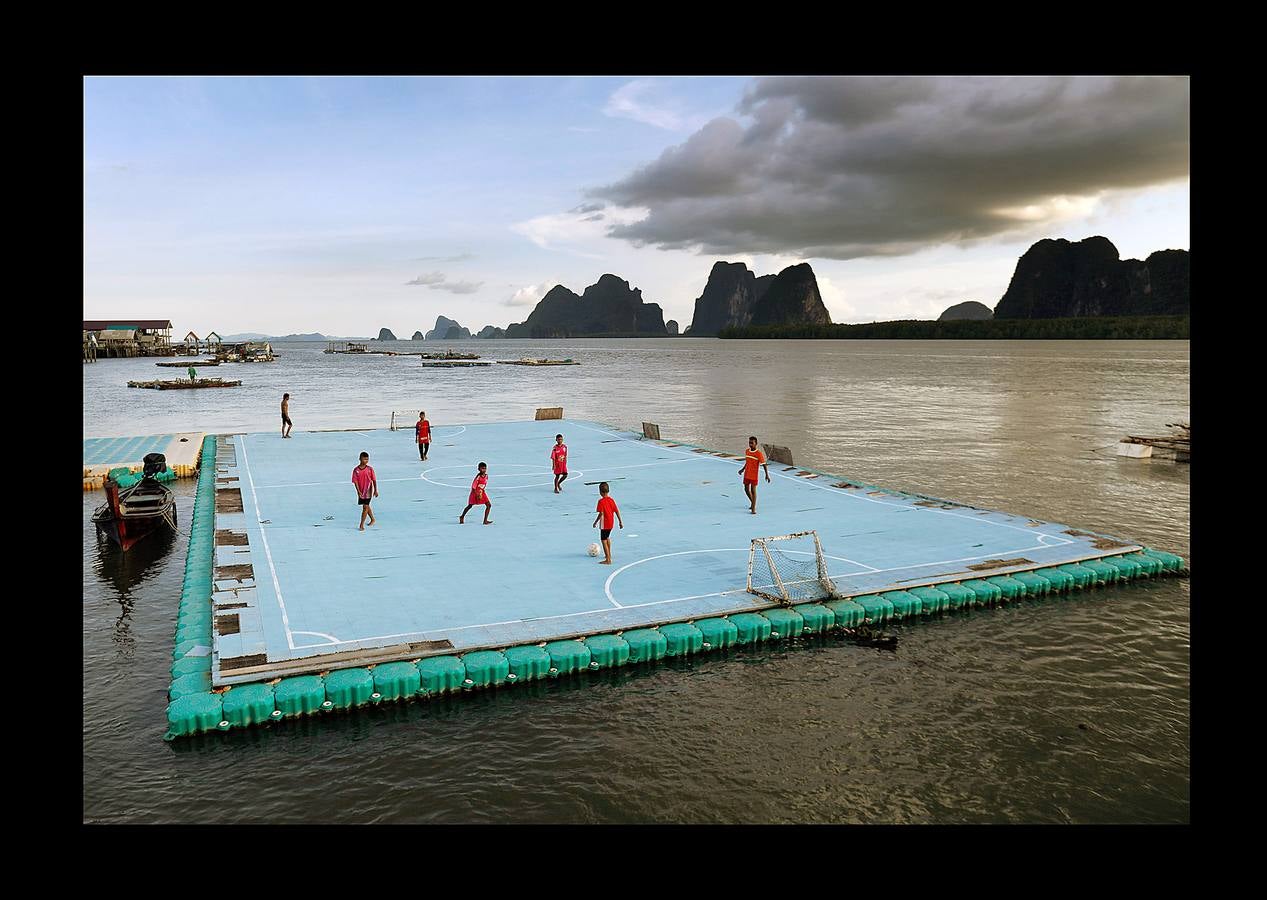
(607, 509)
(753, 458)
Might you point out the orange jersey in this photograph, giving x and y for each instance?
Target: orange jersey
(753, 459)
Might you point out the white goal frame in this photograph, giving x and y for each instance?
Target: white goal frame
(760, 545)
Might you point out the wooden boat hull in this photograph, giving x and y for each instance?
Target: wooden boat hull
(130, 515)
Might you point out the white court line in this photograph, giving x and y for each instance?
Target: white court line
(492, 478)
(281, 602)
(836, 491)
(329, 639)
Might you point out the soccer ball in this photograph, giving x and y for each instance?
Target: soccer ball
(593, 550)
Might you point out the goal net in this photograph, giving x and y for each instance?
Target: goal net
(789, 568)
(404, 420)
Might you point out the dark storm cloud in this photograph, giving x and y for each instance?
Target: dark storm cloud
(872, 166)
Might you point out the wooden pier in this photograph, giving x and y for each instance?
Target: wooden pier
(1176, 446)
(538, 362)
(184, 384)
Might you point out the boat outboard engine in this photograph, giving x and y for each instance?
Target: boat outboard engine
(154, 464)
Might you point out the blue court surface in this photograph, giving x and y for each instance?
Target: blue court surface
(311, 592)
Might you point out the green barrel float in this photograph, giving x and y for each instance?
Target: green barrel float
(1059, 579)
(607, 650)
(645, 644)
(248, 704)
(346, 688)
(846, 613)
(905, 603)
(931, 599)
(681, 639)
(958, 596)
(784, 623)
(1148, 565)
(485, 668)
(183, 648)
(440, 674)
(877, 608)
(1011, 588)
(815, 617)
(193, 713)
(1082, 576)
(195, 630)
(568, 656)
(750, 628)
(299, 695)
(187, 664)
(193, 683)
(718, 633)
(1104, 574)
(1035, 585)
(395, 680)
(1127, 570)
(987, 594)
(526, 663)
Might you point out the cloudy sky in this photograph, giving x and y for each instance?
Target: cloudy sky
(343, 205)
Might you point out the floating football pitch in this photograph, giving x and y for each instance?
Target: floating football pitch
(299, 589)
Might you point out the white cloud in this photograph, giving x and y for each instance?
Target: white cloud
(631, 101)
(458, 287)
(431, 278)
(529, 295)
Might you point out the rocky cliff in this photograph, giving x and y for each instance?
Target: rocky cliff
(1065, 279)
(671, 326)
(490, 331)
(418, 336)
(791, 299)
(385, 334)
(969, 309)
(609, 306)
(735, 296)
(728, 299)
(444, 330)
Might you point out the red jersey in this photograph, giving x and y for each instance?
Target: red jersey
(477, 489)
(559, 456)
(422, 432)
(753, 459)
(607, 506)
(364, 480)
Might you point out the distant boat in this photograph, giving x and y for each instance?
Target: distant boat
(132, 512)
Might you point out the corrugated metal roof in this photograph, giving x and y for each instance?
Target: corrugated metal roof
(104, 324)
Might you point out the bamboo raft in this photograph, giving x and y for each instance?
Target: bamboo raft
(184, 383)
(453, 364)
(449, 354)
(196, 363)
(538, 362)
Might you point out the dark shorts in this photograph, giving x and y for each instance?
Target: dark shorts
(364, 501)
(604, 534)
(286, 420)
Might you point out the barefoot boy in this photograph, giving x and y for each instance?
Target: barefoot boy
(559, 461)
(753, 458)
(478, 495)
(286, 423)
(365, 481)
(606, 509)
(422, 434)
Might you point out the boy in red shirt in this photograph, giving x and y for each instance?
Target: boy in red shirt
(422, 434)
(559, 462)
(752, 459)
(606, 510)
(478, 495)
(365, 481)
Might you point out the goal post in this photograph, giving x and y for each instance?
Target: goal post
(789, 569)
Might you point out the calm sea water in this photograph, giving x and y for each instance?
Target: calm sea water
(1066, 710)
